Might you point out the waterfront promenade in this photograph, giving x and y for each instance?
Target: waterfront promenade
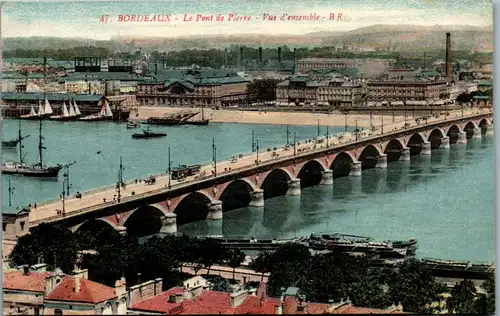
(97, 199)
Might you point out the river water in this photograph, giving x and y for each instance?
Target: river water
(445, 201)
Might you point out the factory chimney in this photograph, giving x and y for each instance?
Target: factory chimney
(295, 61)
(260, 55)
(447, 57)
(44, 69)
(156, 69)
(241, 56)
(279, 54)
(225, 58)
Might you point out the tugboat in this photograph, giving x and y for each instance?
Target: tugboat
(13, 143)
(36, 170)
(148, 134)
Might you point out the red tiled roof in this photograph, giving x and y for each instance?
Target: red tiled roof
(209, 302)
(252, 305)
(90, 291)
(160, 302)
(16, 280)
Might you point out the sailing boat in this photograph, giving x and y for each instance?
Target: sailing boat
(13, 143)
(105, 115)
(35, 170)
(33, 114)
(77, 110)
(203, 121)
(65, 114)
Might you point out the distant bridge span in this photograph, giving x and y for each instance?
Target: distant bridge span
(147, 209)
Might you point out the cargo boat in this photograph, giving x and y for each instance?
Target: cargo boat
(173, 119)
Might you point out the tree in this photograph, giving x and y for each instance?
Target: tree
(462, 298)
(234, 258)
(262, 90)
(212, 252)
(54, 244)
(262, 263)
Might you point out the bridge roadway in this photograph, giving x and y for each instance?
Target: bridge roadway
(91, 201)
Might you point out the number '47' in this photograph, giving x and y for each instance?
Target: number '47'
(104, 19)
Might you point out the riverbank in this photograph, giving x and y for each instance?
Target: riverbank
(277, 118)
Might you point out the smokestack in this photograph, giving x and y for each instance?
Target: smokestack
(447, 57)
(156, 69)
(260, 55)
(279, 54)
(241, 55)
(44, 69)
(26, 269)
(225, 58)
(294, 60)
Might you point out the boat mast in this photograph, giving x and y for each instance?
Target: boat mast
(40, 145)
(20, 144)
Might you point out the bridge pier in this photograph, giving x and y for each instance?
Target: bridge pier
(405, 154)
(445, 142)
(327, 177)
(294, 187)
(169, 223)
(426, 149)
(215, 210)
(122, 230)
(381, 162)
(462, 138)
(355, 169)
(489, 129)
(257, 198)
(477, 132)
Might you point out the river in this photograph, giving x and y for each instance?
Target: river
(445, 201)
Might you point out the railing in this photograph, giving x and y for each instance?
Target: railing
(236, 171)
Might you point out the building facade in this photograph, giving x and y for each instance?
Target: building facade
(316, 89)
(194, 88)
(407, 90)
(307, 64)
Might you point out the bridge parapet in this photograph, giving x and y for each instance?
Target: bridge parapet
(352, 145)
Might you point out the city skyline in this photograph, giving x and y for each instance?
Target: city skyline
(81, 19)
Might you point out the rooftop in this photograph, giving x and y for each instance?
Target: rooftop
(17, 280)
(201, 76)
(89, 292)
(33, 96)
(103, 75)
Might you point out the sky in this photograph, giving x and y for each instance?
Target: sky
(82, 19)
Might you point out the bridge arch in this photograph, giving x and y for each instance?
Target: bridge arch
(192, 208)
(237, 194)
(415, 143)
(435, 138)
(311, 173)
(484, 124)
(94, 226)
(341, 165)
(393, 150)
(452, 133)
(275, 183)
(144, 221)
(369, 157)
(469, 129)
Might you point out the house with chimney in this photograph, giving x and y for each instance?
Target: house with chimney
(194, 298)
(36, 291)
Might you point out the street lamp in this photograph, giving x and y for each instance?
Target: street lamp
(11, 192)
(119, 183)
(253, 140)
(257, 150)
(356, 130)
(68, 184)
(318, 131)
(169, 169)
(64, 194)
(371, 115)
(345, 117)
(382, 127)
(327, 136)
(214, 156)
(287, 136)
(294, 143)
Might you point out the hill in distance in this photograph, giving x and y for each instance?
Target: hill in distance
(399, 37)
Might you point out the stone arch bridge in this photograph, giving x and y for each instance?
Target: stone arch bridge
(211, 198)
